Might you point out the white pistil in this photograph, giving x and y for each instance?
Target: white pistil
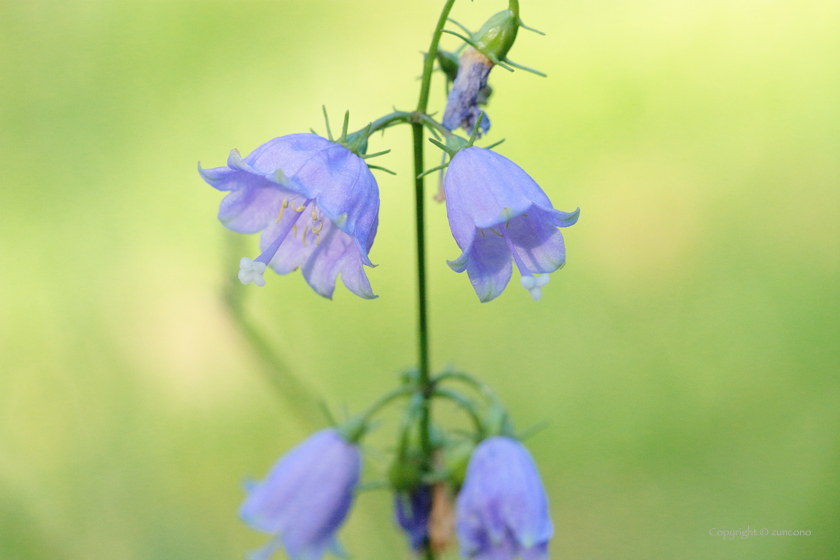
(251, 271)
(534, 285)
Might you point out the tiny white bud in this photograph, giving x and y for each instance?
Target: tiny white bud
(543, 280)
(536, 293)
(528, 282)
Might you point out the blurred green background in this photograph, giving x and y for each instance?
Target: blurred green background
(687, 356)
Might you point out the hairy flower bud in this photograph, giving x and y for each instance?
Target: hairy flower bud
(497, 35)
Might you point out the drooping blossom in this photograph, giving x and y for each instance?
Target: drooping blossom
(411, 512)
(503, 507)
(497, 212)
(316, 204)
(305, 497)
(468, 91)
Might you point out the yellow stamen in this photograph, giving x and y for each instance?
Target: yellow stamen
(282, 208)
(482, 232)
(314, 217)
(497, 233)
(304, 235)
(317, 238)
(294, 230)
(320, 227)
(301, 209)
(507, 224)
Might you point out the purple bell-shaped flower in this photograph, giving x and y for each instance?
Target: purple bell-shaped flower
(305, 498)
(503, 507)
(316, 203)
(496, 211)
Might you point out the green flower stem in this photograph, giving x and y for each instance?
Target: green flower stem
(433, 124)
(429, 63)
(395, 118)
(479, 386)
(423, 327)
(425, 381)
(386, 399)
(297, 395)
(464, 404)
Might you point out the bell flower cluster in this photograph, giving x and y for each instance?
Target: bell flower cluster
(502, 507)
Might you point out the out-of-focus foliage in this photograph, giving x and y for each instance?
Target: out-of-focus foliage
(686, 357)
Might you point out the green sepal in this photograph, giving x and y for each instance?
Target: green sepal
(528, 432)
(448, 62)
(432, 170)
(456, 461)
(531, 29)
(377, 154)
(327, 122)
(354, 429)
(380, 168)
(522, 67)
(406, 472)
(456, 143)
(494, 144)
(443, 147)
(497, 422)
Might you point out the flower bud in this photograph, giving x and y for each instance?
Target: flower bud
(496, 36)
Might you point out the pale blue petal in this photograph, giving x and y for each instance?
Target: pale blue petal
(536, 552)
(537, 241)
(489, 266)
(301, 167)
(502, 507)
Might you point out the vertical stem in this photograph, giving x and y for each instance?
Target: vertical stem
(419, 198)
(423, 325)
(429, 64)
(426, 384)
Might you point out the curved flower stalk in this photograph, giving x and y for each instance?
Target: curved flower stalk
(503, 507)
(316, 204)
(304, 499)
(497, 212)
